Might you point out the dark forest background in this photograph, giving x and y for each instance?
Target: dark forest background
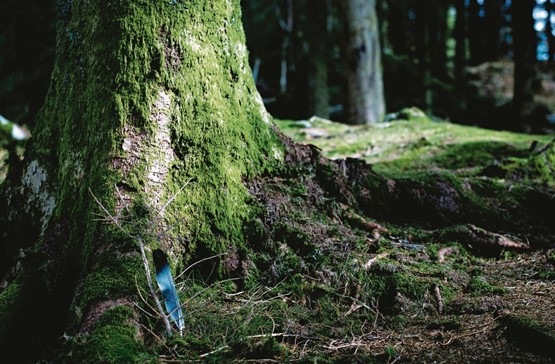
(452, 58)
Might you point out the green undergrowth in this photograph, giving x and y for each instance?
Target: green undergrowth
(313, 298)
(411, 142)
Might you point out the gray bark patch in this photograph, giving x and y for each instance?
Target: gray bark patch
(34, 179)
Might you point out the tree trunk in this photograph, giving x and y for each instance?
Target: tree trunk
(151, 122)
(424, 51)
(549, 31)
(524, 50)
(365, 98)
(438, 38)
(461, 52)
(399, 27)
(317, 16)
(476, 33)
(492, 25)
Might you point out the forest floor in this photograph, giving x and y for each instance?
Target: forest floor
(493, 309)
(412, 241)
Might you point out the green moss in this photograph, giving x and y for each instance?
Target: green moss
(145, 98)
(113, 277)
(9, 302)
(113, 340)
(478, 286)
(541, 166)
(410, 286)
(150, 102)
(451, 323)
(529, 334)
(405, 145)
(474, 154)
(547, 275)
(535, 166)
(412, 114)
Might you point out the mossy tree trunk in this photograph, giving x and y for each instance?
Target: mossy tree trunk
(362, 54)
(153, 112)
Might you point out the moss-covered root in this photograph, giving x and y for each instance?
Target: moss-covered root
(528, 334)
(115, 339)
(433, 199)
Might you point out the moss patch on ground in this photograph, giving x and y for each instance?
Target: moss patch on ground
(411, 141)
(347, 286)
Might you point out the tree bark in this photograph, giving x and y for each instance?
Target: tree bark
(152, 112)
(476, 33)
(438, 38)
(400, 26)
(492, 24)
(461, 52)
(317, 16)
(361, 46)
(424, 51)
(549, 31)
(524, 50)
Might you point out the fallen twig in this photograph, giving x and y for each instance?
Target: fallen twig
(443, 253)
(439, 300)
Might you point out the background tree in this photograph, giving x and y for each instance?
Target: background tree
(318, 45)
(439, 35)
(460, 34)
(424, 17)
(399, 35)
(524, 50)
(476, 31)
(493, 23)
(27, 33)
(362, 55)
(549, 8)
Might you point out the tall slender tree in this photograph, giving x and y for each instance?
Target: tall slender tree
(549, 8)
(424, 50)
(493, 21)
(476, 38)
(399, 26)
(438, 34)
(461, 51)
(318, 45)
(363, 67)
(524, 54)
